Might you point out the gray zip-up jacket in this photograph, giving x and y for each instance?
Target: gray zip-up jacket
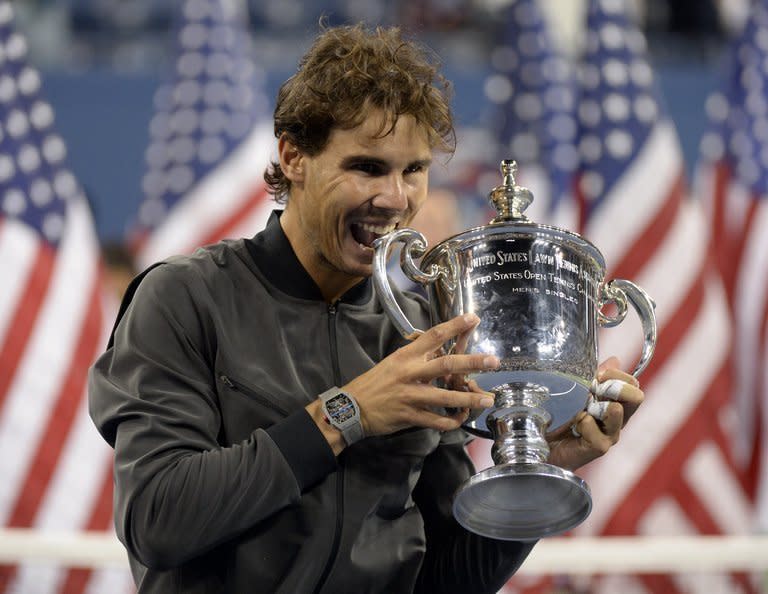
(223, 482)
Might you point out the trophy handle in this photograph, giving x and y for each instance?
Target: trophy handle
(618, 291)
(415, 246)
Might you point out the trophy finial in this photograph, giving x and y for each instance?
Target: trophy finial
(509, 199)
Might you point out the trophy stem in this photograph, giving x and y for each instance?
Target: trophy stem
(518, 424)
(522, 497)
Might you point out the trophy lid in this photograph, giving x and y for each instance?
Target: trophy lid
(509, 199)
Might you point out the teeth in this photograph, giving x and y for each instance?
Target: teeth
(378, 229)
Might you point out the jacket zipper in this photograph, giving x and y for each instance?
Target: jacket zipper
(340, 472)
(250, 393)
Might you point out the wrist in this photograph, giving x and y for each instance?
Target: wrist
(332, 435)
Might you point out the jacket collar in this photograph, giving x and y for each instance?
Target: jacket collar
(274, 256)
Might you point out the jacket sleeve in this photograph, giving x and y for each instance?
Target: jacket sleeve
(457, 560)
(152, 395)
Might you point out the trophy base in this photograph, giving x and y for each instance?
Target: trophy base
(522, 501)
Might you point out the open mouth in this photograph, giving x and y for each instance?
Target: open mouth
(366, 233)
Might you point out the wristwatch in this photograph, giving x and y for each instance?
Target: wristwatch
(342, 411)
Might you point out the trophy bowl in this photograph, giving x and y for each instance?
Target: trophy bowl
(541, 296)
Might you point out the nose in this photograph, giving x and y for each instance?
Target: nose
(392, 194)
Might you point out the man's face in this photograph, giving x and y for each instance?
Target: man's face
(357, 189)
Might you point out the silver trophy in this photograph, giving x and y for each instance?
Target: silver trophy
(541, 297)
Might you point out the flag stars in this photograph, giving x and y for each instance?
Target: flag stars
(153, 183)
(41, 192)
(589, 113)
(151, 211)
(29, 81)
(41, 115)
(29, 158)
(590, 76)
(646, 109)
(53, 226)
(7, 89)
(525, 146)
(216, 92)
(193, 36)
(616, 107)
(716, 107)
(760, 129)
(14, 202)
(562, 127)
(16, 47)
(206, 108)
(498, 88)
(187, 93)
(196, 10)
(615, 73)
(65, 184)
(221, 37)
(529, 43)
(711, 146)
(528, 106)
(592, 184)
(218, 65)
(190, 64)
(211, 149)
(6, 13)
(756, 104)
(504, 58)
(182, 150)
(641, 74)
(565, 157)
(184, 121)
(213, 121)
(238, 124)
(611, 37)
(591, 148)
(17, 123)
(7, 168)
(619, 144)
(180, 178)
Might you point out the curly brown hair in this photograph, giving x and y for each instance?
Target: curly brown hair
(348, 70)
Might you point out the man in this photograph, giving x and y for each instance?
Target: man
(272, 430)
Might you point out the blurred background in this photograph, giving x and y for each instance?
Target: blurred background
(135, 129)
(103, 60)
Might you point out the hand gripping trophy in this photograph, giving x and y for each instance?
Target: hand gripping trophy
(541, 297)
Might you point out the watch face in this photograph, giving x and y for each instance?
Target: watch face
(340, 408)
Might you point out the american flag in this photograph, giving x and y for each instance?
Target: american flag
(673, 470)
(732, 179)
(56, 471)
(532, 93)
(210, 139)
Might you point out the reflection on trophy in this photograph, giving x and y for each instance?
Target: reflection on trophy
(541, 297)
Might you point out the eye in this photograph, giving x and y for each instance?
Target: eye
(369, 167)
(414, 169)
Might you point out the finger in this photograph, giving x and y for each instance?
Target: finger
(612, 420)
(618, 390)
(592, 437)
(436, 336)
(457, 364)
(609, 363)
(616, 373)
(439, 397)
(432, 420)
(462, 341)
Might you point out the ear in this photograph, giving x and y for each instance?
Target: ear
(291, 159)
